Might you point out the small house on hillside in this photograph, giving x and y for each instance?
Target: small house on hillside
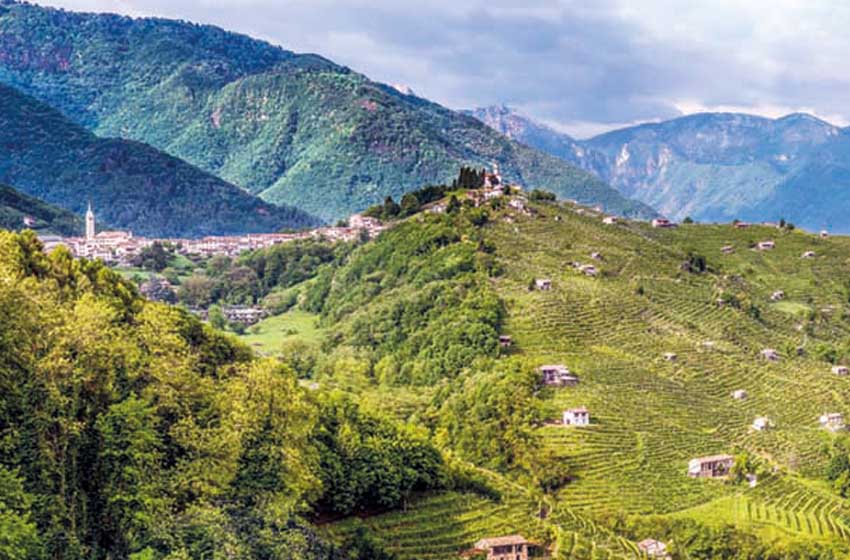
(505, 341)
(762, 423)
(596, 256)
(770, 354)
(557, 375)
(739, 394)
(670, 356)
(712, 466)
(653, 548)
(588, 270)
(840, 370)
(741, 225)
(511, 547)
(778, 295)
(662, 223)
(727, 249)
(543, 284)
(609, 220)
(824, 234)
(808, 255)
(576, 417)
(832, 421)
(765, 245)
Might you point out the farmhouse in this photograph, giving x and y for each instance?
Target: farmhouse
(778, 295)
(770, 354)
(742, 225)
(609, 220)
(505, 341)
(576, 417)
(653, 548)
(543, 284)
(588, 270)
(824, 234)
(726, 249)
(712, 466)
(761, 423)
(511, 547)
(557, 375)
(739, 394)
(670, 356)
(840, 370)
(596, 256)
(662, 223)
(832, 421)
(765, 245)
(808, 255)
(244, 314)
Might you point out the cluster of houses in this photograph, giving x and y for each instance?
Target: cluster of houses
(244, 314)
(120, 247)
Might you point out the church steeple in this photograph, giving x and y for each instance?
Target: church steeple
(90, 231)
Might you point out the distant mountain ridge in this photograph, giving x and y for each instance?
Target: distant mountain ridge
(131, 185)
(713, 166)
(19, 211)
(292, 128)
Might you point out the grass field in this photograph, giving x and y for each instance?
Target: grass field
(267, 336)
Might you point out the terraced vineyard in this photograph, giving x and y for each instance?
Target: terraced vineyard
(651, 415)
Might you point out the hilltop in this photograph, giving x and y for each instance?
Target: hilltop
(132, 185)
(291, 128)
(15, 207)
(417, 314)
(712, 166)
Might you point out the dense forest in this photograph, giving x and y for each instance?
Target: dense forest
(130, 429)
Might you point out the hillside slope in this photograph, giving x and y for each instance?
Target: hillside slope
(132, 185)
(649, 415)
(16, 206)
(713, 166)
(293, 128)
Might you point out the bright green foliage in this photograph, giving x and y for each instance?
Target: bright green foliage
(418, 299)
(129, 184)
(293, 128)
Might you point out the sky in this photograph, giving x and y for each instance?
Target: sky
(581, 66)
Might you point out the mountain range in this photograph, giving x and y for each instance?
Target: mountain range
(712, 166)
(130, 184)
(292, 128)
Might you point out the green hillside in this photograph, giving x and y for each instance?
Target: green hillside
(292, 128)
(15, 207)
(416, 314)
(131, 185)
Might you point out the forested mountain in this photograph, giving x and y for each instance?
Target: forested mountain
(130, 184)
(292, 128)
(713, 166)
(16, 206)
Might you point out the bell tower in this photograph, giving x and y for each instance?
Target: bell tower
(90, 232)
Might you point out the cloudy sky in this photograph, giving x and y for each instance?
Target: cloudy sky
(581, 66)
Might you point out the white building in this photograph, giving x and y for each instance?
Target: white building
(808, 255)
(90, 229)
(840, 370)
(739, 394)
(770, 354)
(543, 284)
(576, 417)
(765, 245)
(653, 548)
(762, 423)
(832, 421)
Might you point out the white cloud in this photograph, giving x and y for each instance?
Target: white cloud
(585, 66)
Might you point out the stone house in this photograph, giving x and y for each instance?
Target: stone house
(557, 375)
(712, 466)
(511, 547)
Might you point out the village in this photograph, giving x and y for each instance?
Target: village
(120, 247)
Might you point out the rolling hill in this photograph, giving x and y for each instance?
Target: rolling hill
(132, 185)
(292, 128)
(16, 206)
(713, 166)
(394, 303)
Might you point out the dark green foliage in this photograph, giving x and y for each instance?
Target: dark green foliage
(540, 195)
(294, 128)
(368, 463)
(153, 257)
(129, 184)
(15, 206)
(362, 545)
